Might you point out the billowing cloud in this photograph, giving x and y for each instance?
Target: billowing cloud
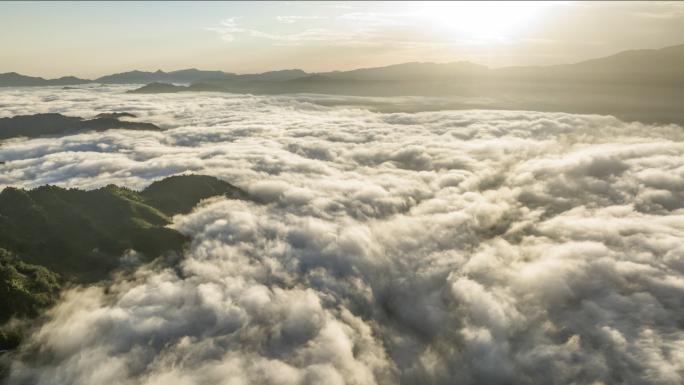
(474, 247)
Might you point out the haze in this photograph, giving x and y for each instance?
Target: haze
(90, 40)
(301, 193)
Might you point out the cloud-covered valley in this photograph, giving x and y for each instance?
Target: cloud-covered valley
(473, 247)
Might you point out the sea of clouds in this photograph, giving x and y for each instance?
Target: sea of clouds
(470, 247)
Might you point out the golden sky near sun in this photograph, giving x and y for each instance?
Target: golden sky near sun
(93, 39)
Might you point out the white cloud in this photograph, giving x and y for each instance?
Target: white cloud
(229, 28)
(375, 18)
(291, 19)
(438, 247)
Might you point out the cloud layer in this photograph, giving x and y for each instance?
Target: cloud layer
(446, 247)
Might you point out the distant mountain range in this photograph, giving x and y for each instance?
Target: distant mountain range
(639, 85)
(645, 66)
(634, 66)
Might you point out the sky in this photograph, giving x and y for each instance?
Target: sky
(93, 39)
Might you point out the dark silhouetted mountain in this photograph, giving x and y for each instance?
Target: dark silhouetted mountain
(115, 115)
(13, 79)
(181, 193)
(272, 76)
(158, 88)
(140, 77)
(193, 75)
(227, 84)
(55, 124)
(165, 88)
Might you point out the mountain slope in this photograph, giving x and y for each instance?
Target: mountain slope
(79, 233)
(645, 66)
(414, 72)
(649, 67)
(24, 289)
(49, 235)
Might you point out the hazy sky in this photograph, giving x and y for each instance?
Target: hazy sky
(91, 39)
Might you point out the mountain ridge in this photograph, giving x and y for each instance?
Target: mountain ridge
(659, 63)
(13, 79)
(193, 75)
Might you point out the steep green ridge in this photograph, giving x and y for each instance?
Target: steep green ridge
(82, 234)
(49, 235)
(54, 124)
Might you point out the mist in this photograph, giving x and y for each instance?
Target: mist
(443, 247)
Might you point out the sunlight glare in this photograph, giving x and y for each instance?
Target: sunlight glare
(481, 21)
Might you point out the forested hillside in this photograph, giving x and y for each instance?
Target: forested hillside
(51, 235)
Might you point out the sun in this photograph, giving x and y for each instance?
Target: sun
(480, 21)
